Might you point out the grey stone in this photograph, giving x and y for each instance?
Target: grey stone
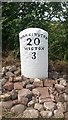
(60, 106)
(66, 90)
(66, 116)
(11, 79)
(66, 106)
(4, 70)
(0, 92)
(49, 105)
(17, 72)
(55, 75)
(1, 75)
(14, 94)
(38, 106)
(24, 84)
(65, 77)
(7, 104)
(31, 80)
(62, 81)
(8, 67)
(9, 74)
(31, 103)
(60, 87)
(17, 79)
(0, 110)
(0, 86)
(65, 97)
(12, 68)
(35, 92)
(32, 113)
(42, 99)
(58, 114)
(46, 114)
(5, 97)
(37, 83)
(30, 86)
(18, 109)
(3, 81)
(15, 102)
(49, 83)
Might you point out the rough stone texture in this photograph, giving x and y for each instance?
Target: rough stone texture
(7, 67)
(49, 83)
(38, 106)
(60, 98)
(46, 114)
(58, 114)
(32, 113)
(66, 90)
(7, 104)
(15, 102)
(4, 70)
(8, 86)
(12, 68)
(0, 92)
(66, 106)
(42, 91)
(23, 100)
(38, 83)
(11, 79)
(17, 72)
(65, 77)
(36, 92)
(17, 79)
(65, 97)
(31, 103)
(0, 110)
(31, 80)
(0, 86)
(3, 81)
(49, 105)
(5, 97)
(24, 93)
(14, 94)
(35, 98)
(51, 90)
(43, 99)
(24, 84)
(1, 75)
(52, 97)
(9, 74)
(18, 86)
(62, 81)
(60, 106)
(66, 116)
(30, 86)
(55, 75)
(60, 87)
(18, 109)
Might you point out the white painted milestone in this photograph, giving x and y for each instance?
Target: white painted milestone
(34, 52)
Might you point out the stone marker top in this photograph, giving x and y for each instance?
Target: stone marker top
(33, 30)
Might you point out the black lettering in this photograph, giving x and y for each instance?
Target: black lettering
(36, 41)
(34, 55)
(29, 41)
